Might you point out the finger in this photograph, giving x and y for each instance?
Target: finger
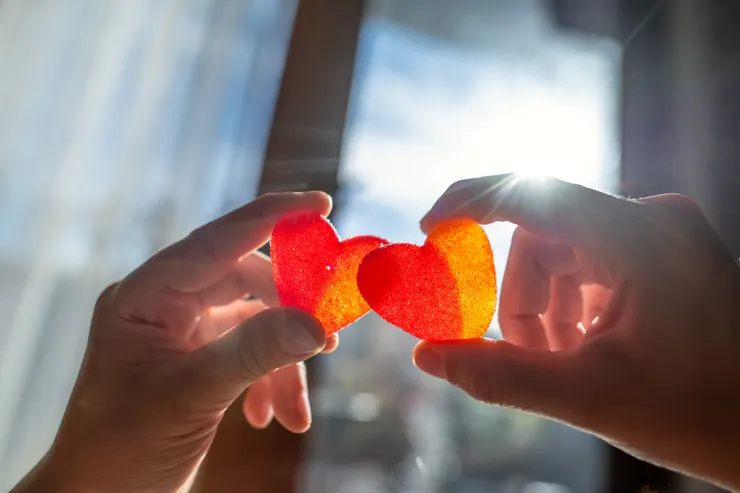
(595, 300)
(563, 317)
(525, 290)
(251, 275)
(682, 220)
(544, 206)
(210, 252)
(289, 392)
(226, 317)
(332, 343)
(216, 373)
(525, 293)
(220, 319)
(558, 385)
(257, 406)
(257, 277)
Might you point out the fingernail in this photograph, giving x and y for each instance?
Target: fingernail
(302, 335)
(430, 362)
(426, 223)
(324, 194)
(329, 197)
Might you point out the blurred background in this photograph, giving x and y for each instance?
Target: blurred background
(127, 123)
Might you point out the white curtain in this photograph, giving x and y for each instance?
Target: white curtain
(123, 125)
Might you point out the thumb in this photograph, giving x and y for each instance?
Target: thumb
(557, 385)
(215, 374)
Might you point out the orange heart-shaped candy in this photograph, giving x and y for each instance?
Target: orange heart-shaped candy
(444, 290)
(317, 272)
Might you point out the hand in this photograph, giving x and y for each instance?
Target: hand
(620, 317)
(172, 346)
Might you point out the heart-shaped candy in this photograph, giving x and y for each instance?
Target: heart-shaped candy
(444, 290)
(317, 272)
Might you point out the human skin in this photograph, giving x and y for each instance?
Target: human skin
(171, 346)
(619, 317)
(656, 374)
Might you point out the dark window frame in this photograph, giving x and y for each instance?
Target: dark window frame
(303, 153)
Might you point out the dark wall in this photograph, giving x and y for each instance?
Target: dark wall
(680, 109)
(680, 120)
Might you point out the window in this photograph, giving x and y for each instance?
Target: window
(446, 91)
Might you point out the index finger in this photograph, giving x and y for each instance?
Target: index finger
(547, 207)
(250, 275)
(527, 292)
(210, 252)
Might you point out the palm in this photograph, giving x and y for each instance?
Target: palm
(656, 373)
(175, 322)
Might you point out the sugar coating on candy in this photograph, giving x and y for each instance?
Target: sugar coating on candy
(444, 290)
(465, 247)
(317, 272)
(413, 289)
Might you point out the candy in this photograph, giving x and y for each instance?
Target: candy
(317, 272)
(444, 290)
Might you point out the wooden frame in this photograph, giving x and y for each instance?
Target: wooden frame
(303, 153)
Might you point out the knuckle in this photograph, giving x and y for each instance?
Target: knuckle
(204, 244)
(107, 296)
(676, 229)
(675, 208)
(520, 235)
(458, 185)
(255, 355)
(681, 202)
(474, 383)
(469, 186)
(201, 231)
(481, 388)
(526, 243)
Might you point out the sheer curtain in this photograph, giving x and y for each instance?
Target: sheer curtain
(123, 125)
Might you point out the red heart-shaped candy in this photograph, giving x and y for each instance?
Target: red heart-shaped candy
(444, 290)
(317, 272)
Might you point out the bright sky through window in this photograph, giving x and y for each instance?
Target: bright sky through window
(427, 114)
